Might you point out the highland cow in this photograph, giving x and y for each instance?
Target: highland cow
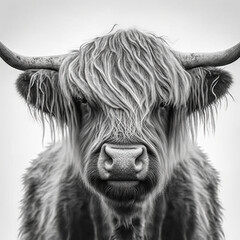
(127, 166)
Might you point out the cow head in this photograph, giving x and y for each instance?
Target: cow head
(127, 105)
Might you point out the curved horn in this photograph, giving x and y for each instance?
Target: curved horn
(191, 60)
(23, 63)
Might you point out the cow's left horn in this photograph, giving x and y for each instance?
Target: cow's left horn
(191, 60)
(23, 63)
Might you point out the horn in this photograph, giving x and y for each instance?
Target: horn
(221, 58)
(23, 63)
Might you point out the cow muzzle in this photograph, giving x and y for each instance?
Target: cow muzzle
(123, 165)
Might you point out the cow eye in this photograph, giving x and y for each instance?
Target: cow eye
(83, 100)
(162, 105)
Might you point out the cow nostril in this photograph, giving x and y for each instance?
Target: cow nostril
(138, 165)
(108, 164)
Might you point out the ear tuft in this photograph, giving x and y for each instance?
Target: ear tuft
(218, 82)
(208, 86)
(46, 100)
(38, 88)
(23, 81)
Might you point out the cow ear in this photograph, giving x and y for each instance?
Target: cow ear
(208, 86)
(41, 90)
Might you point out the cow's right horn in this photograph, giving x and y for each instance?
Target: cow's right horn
(23, 63)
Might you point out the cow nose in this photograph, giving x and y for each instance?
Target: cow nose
(123, 162)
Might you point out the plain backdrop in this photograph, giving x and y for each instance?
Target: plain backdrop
(47, 27)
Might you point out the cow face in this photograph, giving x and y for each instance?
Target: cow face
(127, 107)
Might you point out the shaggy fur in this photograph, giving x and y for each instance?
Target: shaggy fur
(123, 88)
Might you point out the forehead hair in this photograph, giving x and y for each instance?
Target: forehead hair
(127, 70)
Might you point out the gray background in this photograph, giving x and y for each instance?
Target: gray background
(51, 27)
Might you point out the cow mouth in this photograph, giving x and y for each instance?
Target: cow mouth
(123, 183)
(123, 190)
